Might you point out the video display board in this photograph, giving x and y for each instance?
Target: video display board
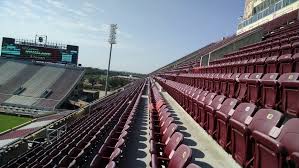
(39, 53)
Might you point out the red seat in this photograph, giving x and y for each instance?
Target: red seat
(272, 60)
(250, 68)
(195, 110)
(222, 118)
(274, 148)
(181, 157)
(232, 84)
(201, 109)
(253, 88)
(243, 123)
(269, 90)
(241, 92)
(211, 113)
(224, 84)
(192, 100)
(286, 60)
(167, 149)
(217, 83)
(260, 65)
(290, 93)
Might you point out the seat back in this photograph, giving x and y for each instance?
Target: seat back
(251, 66)
(232, 84)
(217, 83)
(169, 131)
(202, 95)
(168, 121)
(289, 135)
(260, 65)
(242, 86)
(253, 87)
(217, 101)
(242, 111)
(264, 120)
(290, 93)
(209, 98)
(181, 157)
(175, 140)
(269, 90)
(228, 105)
(224, 84)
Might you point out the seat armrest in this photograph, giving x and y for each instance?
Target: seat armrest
(239, 126)
(269, 82)
(222, 116)
(253, 81)
(210, 109)
(295, 157)
(271, 143)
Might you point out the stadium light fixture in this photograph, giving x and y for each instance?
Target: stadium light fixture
(111, 40)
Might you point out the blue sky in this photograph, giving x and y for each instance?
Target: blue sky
(151, 34)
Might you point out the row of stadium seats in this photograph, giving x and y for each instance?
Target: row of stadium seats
(166, 146)
(255, 136)
(112, 148)
(268, 58)
(85, 136)
(265, 90)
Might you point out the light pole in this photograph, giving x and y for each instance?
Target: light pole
(112, 40)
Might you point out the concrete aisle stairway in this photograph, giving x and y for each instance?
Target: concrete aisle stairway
(136, 154)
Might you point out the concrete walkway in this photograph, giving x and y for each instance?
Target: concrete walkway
(206, 151)
(136, 153)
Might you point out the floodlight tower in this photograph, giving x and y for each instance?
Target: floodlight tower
(112, 40)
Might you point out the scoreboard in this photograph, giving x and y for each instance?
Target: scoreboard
(32, 51)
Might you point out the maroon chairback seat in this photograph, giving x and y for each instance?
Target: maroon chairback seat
(273, 149)
(238, 116)
(211, 79)
(181, 157)
(269, 90)
(192, 100)
(201, 108)
(250, 68)
(253, 88)
(199, 98)
(241, 92)
(242, 126)
(211, 113)
(224, 84)
(217, 83)
(290, 93)
(232, 84)
(222, 118)
(271, 62)
(101, 161)
(285, 60)
(168, 149)
(186, 97)
(242, 67)
(260, 65)
(206, 81)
